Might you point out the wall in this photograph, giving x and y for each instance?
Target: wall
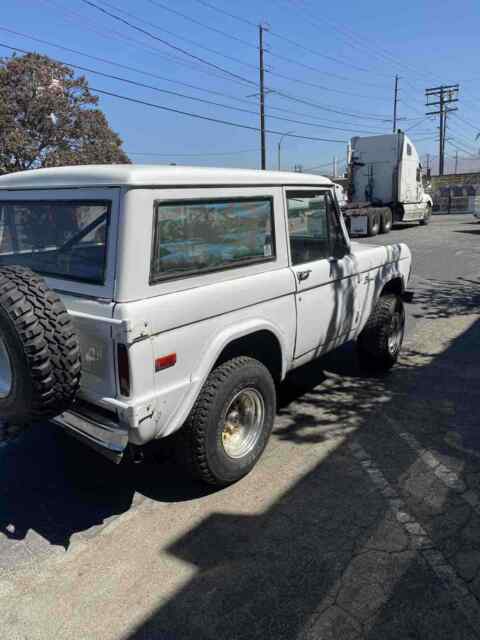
(456, 193)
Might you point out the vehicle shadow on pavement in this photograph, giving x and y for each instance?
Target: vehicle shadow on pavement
(447, 298)
(55, 486)
(370, 542)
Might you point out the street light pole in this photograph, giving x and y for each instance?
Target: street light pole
(280, 148)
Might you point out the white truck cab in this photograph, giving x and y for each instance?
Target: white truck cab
(138, 302)
(386, 184)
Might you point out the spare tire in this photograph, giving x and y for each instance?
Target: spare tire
(39, 349)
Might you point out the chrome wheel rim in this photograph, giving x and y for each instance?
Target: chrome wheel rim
(5, 370)
(397, 329)
(243, 423)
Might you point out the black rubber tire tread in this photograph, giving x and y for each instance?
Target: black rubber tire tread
(386, 222)
(372, 343)
(190, 443)
(47, 344)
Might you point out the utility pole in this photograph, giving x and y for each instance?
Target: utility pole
(445, 94)
(444, 132)
(261, 29)
(456, 161)
(395, 101)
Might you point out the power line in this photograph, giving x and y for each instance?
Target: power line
(176, 35)
(249, 44)
(107, 32)
(232, 58)
(169, 44)
(418, 123)
(199, 68)
(227, 13)
(283, 94)
(170, 80)
(331, 109)
(348, 34)
(277, 35)
(325, 164)
(183, 95)
(456, 146)
(123, 20)
(202, 24)
(190, 155)
(477, 128)
(322, 87)
(317, 70)
(209, 118)
(122, 66)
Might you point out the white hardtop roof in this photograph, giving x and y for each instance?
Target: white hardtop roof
(151, 175)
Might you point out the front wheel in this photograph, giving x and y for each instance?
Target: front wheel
(427, 216)
(379, 343)
(229, 426)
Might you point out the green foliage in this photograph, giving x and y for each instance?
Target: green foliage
(50, 118)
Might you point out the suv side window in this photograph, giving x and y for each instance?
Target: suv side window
(313, 226)
(192, 237)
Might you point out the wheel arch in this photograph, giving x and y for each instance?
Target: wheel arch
(254, 338)
(262, 344)
(395, 285)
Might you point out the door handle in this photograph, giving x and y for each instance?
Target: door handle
(303, 275)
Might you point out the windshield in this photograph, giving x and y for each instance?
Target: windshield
(64, 239)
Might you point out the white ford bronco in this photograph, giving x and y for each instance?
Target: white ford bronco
(138, 302)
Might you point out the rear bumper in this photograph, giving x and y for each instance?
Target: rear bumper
(107, 437)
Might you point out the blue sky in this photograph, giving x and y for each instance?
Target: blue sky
(341, 76)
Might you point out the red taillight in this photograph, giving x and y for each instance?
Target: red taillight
(123, 369)
(164, 362)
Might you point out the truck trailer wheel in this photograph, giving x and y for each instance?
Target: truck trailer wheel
(39, 349)
(229, 426)
(379, 343)
(373, 224)
(386, 222)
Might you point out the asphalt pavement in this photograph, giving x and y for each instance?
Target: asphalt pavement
(362, 519)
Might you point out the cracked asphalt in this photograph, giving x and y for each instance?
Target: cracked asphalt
(362, 521)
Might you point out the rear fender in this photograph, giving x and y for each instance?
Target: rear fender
(207, 361)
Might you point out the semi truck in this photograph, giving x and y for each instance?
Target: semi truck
(385, 185)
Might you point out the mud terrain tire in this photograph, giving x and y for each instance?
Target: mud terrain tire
(40, 353)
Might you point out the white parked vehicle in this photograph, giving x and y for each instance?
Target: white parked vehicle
(385, 185)
(137, 302)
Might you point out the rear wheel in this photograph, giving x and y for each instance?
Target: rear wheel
(380, 342)
(373, 224)
(386, 222)
(230, 424)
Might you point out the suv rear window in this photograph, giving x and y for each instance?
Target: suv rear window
(193, 237)
(63, 239)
